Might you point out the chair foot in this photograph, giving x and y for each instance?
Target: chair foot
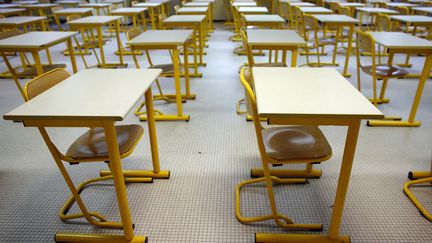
(414, 200)
(96, 238)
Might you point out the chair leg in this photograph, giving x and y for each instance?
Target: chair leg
(414, 200)
(238, 109)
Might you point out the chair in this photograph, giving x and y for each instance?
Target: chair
(56, 18)
(310, 24)
(161, 18)
(89, 147)
(282, 145)
(366, 43)
(251, 63)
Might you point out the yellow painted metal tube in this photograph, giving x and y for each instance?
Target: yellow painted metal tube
(258, 172)
(164, 174)
(94, 238)
(414, 200)
(298, 238)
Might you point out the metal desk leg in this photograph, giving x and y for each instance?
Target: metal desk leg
(350, 37)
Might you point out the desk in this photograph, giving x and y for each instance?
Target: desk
(265, 20)
(34, 42)
(97, 6)
(244, 4)
(198, 11)
(315, 10)
(352, 7)
(300, 4)
(151, 7)
(11, 11)
(40, 8)
(10, 5)
(340, 21)
(109, 96)
(306, 96)
(133, 13)
(167, 40)
(69, 3)
(25, 2)
(253, 10)
(165, 7)
(427, 10)
(373, 12)
(284, 40)
(117, 3)
(408, 5)
(98, 22)
(70, 11)
(196, 22)
(397, 42)
(21, 21)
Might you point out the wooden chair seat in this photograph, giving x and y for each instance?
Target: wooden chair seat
(92, 144)
(295, 142)
(167, 69)
(385, 71)
(247, 73)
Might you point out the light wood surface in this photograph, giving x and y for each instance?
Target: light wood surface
(39, 6)
(312, 10)
(409, 5)
(197, 4)
(185, 19)
(36, 39)
(193, 10)
(309, 93)
(148, 5)
(302, 4)
(377, 10)
(334, 18)
(74, 11)
(9, 5)
(412, 18)
(401, 40)
(10, 11)
(96, 94)
(94, 5)
(423, 9)
(274, 37)
(264, 18)
(247, 10)
(121, 11)
(244, 4)
(158, 37)
(20, 20)
(94, 20)
(352, 4)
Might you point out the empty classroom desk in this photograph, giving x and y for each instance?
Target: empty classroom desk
(109, 96)
(98, 6)
(40, 8)
(34, 42)
(22, 21)
(306, 96)
(68, 3)
(69, 12)
(273, 21)
(315, 10)
(151, 8)
(197, 24)
(397, 42)
(133, 13)
(198, 11)
(169, 40)
(340, 21)
(253, 10)
(12, 11)
(373, 12)
(97, 22)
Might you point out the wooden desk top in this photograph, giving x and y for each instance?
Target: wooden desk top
(423, 9)
(147, 5)
(185, 19)
(68, 2)
(120, 11)
(94, 5)
(9, 5)
(94, 20)
(159, 1)
(11, 10)
(399, 40)
(113, 1)
(74, 11)
(196, 4)
(211, 1)
(104, 94)
(161, 37)
(39, 5)
(309, 93)
(36, 39)
(335, 18)
(377, 10)
(412, 18)
(289, 1)
(25, 2)
(264, 18)
(312, 10)
(192, 10)
(248, 10)
(274, 37)
(19, 20)
(244, 4)
(409, 5)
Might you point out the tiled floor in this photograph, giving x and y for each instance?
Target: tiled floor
(208, 156)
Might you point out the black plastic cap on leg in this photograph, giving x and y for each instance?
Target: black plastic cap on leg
(411, 175)
(133, 226)
(318, 230)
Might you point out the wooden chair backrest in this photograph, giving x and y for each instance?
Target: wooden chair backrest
(44, 82)
(383, 23)
(133, 33)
